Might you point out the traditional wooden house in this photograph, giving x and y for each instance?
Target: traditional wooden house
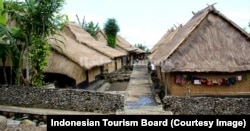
(154, 56)
(209, 55)
(140, 54)
(73, 63)
(121, 45)
(86, 39)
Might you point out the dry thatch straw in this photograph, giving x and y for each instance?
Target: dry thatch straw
(155, 51)
(121, 44)
(72, 58)
(83, 37)
(139, 51)
(208, 42)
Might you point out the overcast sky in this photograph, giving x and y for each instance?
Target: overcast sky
(146, 21)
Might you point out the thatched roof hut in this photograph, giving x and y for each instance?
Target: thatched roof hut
(84, 37)
(208, 42)
(72, 58)
(121, 44)
(155, 55)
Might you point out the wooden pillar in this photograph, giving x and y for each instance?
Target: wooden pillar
(167, 82)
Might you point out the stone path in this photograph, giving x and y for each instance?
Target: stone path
(141, 98)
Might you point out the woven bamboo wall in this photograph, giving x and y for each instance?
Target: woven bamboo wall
(110, 67)
(93, 73)
(190, 89)
(97, 71)
(119, 63)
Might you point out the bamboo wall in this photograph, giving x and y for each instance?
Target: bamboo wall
(93, 73)
(190, 89)
(60, 64)
(119, 63)
(110, 67)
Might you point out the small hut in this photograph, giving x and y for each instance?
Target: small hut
(209, 55)
(121, 45)
(75, 61)
(154, 56)
(86, 39)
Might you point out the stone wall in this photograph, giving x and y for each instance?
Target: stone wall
(207, 105)
(67, 99)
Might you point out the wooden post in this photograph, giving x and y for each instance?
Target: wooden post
(167, 83)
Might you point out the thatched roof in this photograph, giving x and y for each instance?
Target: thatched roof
(85, 38)
(70, 57)
(140, 51)
(155, 53)
(208, 42)
(124, 44)
(121, 44)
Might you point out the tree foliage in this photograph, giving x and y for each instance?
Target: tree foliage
(111, 29)
(90, 27)
(141, 46)
(35, 21)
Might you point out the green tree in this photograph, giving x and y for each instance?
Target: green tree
(2, 15)
(7, 47)
(90, 27)
(35, 20)
(111, 29)
(4, 51)
(141, 46)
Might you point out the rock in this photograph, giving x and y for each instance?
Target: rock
(3, 123)
(27, 122)
(44, 118)
(41, 123)
(12, 123)
(50, 86)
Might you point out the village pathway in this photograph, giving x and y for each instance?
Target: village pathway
(140, 96)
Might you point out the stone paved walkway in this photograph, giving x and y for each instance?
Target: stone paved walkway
(140, 98)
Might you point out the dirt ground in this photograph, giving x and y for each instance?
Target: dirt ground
(118, 86)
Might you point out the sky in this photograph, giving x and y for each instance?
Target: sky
(146, 21)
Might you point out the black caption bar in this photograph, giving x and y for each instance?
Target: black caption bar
(80, 122)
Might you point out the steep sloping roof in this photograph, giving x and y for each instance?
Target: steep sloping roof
(121, 44)
(208, 42)
(72, 58)
(140, 51)
(156, 50)
(83, 37)
(78, 53)
(124, 44)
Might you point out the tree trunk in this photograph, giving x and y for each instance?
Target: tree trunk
(4, 70)
(11, 75)
(27, 69)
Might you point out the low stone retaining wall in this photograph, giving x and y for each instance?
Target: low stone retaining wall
(207, 105)
(66, 99)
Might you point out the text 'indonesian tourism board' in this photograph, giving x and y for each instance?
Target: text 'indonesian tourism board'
(144, 122)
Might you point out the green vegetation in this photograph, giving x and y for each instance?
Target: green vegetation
(90, 27)
(30, 24)
(111, 29)
(141, 46)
